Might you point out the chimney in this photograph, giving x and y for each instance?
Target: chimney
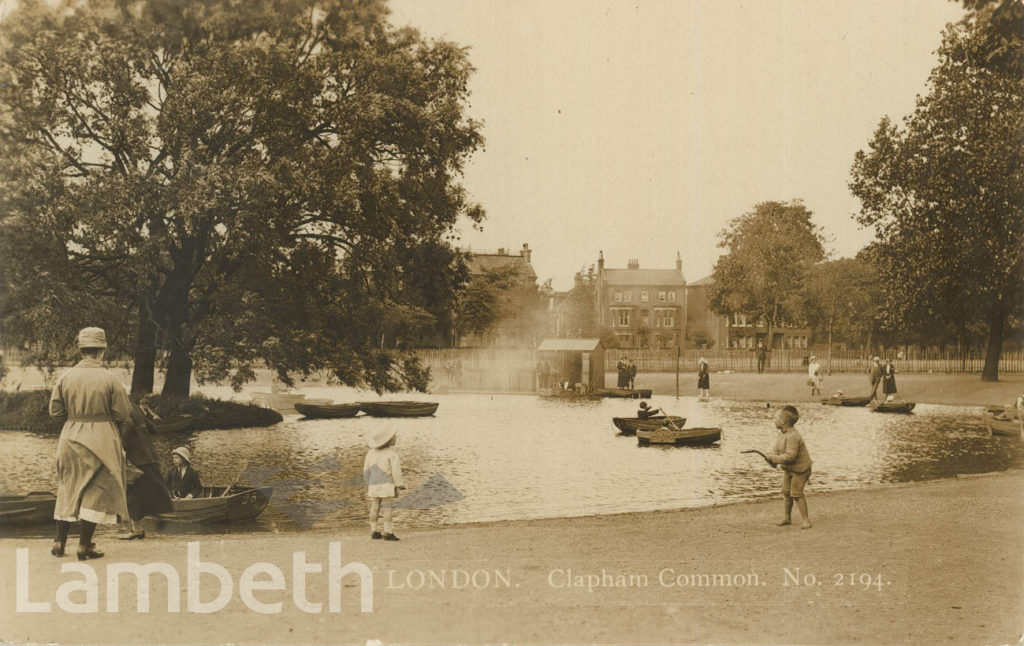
(578, 279)
(679, 262)
(600, 260)
(501, 251)
(525, 252)
(634, 263)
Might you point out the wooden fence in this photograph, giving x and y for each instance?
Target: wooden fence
(908, 360)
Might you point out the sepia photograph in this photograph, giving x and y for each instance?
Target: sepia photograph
(382, 322)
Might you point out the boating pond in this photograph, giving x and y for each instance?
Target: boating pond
(509, 457)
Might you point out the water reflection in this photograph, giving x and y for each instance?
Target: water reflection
(512, 457)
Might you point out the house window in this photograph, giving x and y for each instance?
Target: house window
(618, 297)
(645, 318)
(671, 297)
(625, 340)
(661, 297)
(627, 296)
(644, 296)
(664, 317)
(620, 317)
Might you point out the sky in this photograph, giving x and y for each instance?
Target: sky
(641, 128)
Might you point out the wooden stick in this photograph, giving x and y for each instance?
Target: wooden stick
(668, 418)
(228, 488)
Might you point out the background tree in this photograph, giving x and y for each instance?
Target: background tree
(236, 183)
(770, 252)
(945, 195)
(843, 302)
(481, 304)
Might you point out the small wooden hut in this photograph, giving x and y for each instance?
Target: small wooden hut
(578, 361)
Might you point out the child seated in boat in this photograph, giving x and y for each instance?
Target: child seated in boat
(182, 480)
(382, 471)
(646, 411)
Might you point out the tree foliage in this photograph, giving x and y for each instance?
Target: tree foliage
(945, 195)
(844, 299)
(770, 253)
(266, 182)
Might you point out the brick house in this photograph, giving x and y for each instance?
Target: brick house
(514, 331)
(643, 308)
(736, 331)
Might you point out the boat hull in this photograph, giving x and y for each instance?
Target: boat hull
(176, 424)
(847, 401)
(399, 409)
(682, 437)
(36, 507)
(893, 407)
(327, 411)
(625, 393)
(1002, 426)
(242, 503)
(630, 425)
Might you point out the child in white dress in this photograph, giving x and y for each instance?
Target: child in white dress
(382, 472)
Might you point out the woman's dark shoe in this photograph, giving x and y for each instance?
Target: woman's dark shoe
(391, 537)
(376, 535)
(89, 552)
(57, 549)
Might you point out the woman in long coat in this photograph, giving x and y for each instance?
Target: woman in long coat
(703, 378)
(889, 379)
(92, 403)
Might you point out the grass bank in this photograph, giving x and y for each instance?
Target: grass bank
(28, 410)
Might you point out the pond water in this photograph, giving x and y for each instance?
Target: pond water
(505, 457)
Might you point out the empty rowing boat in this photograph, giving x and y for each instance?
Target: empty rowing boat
(327, 411)
(398, 408)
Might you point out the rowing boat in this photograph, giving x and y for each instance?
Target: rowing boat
(174, 424)
(35, 507)
(1002, 425)
(241, 503)
(892, 407)
(626, 393)
(327, 411)
(630, 425)
(847, 401)
(681, 437)
(398, 408)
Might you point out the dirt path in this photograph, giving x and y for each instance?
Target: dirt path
(930, 563)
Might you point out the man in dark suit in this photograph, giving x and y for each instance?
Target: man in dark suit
(182, 479)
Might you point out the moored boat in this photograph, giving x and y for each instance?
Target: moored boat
(630, 425)
(35, 507)
(626, 393)
(681, 437)
(398, 408)
(1000, 424)
(893, 407)
(847, 401)
(241, 503)
(174, 424)
(327, 411)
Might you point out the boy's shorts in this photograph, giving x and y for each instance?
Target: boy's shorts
(793, 483)
(384, 501)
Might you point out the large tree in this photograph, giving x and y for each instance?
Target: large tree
(770, 252)
(843, 301)
(945, 195)
(269, 181)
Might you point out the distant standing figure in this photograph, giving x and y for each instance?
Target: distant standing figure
(876, 376)
(814, 377)
(889, 380)
(91, 403)
(382, 471)
(762, 356)
(623, 369)
(1020, 405)
(703, 378)
(631, 373)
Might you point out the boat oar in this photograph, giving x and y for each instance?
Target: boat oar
(668, 419)
(240, 472)
(766, 458)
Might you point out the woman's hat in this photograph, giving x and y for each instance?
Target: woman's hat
(92, 337)
(876, 359)
(183, 452)
(813, 357)
(380, 437)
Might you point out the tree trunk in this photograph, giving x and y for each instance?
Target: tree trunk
(997, 324)
(179, 362)
(179, 373)
(145, 353)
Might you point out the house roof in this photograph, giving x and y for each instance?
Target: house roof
(644, 277)
(569, 345)
(480, 263)
(703, 282)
